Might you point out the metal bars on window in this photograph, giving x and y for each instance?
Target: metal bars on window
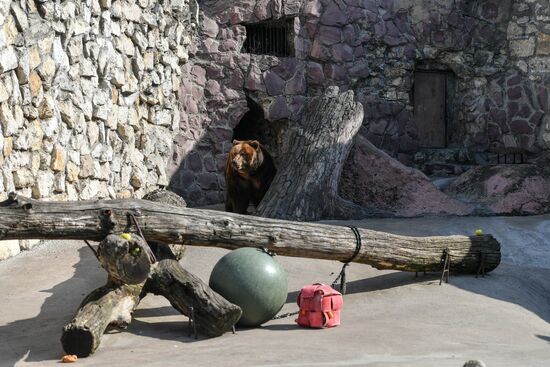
(270, 38)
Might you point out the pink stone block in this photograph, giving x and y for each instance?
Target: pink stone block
(319, 52)
(315, 74)
(189, 104)
(302, 48)
(334, 16)
(278, 109)
(329, 35)
(312, 8)
(210, 46)
(262, 10)
(209, 27)
(199, 75)
(277, 9)
(229, 45)
(254, 80)
(296, 85)
(274, 84)
(212, 88)
(310, 28)
(342, 52)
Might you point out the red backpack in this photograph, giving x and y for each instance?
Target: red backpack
(320, 306)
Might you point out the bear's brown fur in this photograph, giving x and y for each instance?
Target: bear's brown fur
(249, 171)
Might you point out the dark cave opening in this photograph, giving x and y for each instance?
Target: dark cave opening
(254, 126)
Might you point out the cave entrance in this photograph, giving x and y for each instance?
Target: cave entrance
(254, 126)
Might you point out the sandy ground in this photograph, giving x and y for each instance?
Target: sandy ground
(389, 318)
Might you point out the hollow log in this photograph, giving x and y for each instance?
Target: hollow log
(22, 218)
(110, 305)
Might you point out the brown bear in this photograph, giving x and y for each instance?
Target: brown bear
(249, 171)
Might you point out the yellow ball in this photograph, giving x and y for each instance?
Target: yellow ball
(479, 232)
(126, 236)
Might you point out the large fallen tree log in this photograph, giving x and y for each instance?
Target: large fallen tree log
(22, 218)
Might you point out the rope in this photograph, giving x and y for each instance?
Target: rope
(342, 276)
(93, 250)
(283, 315)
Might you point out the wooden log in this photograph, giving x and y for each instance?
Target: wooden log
(213, 314)
(126, 257)
(128, 265)
(128, 260)
(306, 185)
(112, 304)
(25, 219)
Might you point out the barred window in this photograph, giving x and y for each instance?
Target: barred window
(274, 38)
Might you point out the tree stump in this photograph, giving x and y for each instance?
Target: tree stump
(306, 185)
(127, 259)
(173, 251)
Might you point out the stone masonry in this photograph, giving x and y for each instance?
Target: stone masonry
(498, 51)
(90, 91)
(89, 102)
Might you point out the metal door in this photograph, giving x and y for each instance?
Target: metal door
(429, 108)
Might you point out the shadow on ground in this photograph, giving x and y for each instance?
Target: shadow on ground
(48, 324)
(516, 281)
(37, 339)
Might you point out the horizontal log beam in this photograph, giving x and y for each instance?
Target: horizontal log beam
(23, 218)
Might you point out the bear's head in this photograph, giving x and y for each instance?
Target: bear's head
(246, 156)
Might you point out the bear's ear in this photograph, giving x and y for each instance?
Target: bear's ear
(255, 144)
(235, 142)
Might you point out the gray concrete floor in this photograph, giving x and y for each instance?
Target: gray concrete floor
(389, 318)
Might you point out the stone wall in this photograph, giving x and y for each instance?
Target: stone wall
(497, 50)
(89, 102)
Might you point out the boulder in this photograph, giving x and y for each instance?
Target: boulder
(506, 189)
(372, 178)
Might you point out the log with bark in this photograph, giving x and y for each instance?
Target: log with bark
(22, 218)
(113, 304)
(306, 185)
(133, 272)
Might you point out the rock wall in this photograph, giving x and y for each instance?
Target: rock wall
(89, 95)
(498, 52)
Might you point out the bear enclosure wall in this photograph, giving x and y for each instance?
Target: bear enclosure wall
(89, 90)
(89, 95)
(497, 51)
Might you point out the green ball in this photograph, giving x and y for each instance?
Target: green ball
(253, 280)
